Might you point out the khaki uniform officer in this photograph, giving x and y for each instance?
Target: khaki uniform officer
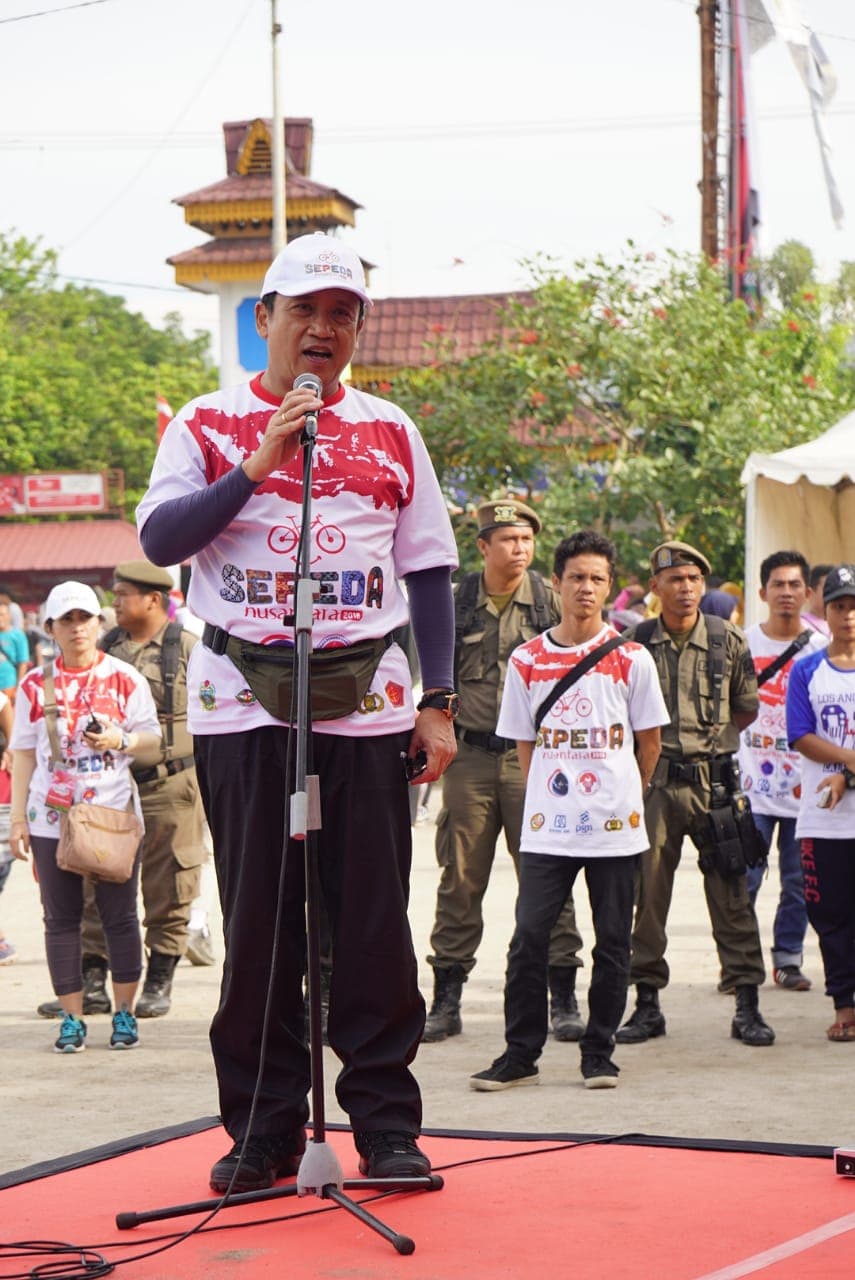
(483, 790)
(173, 851)
(690, 650)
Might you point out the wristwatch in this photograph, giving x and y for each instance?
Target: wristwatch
(126, 741)
(444, 700)
(849, 779)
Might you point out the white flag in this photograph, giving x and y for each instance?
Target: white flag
(770, 18)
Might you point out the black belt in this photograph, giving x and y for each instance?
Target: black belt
(485, 741)
(171, 766)
(693, 770)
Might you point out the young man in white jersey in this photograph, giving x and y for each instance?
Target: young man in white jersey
(226, 490)
(771, 772)
(587, 760)
(821, 725)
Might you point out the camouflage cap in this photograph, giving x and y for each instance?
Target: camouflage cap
(506, 512)
(144, 574)
(671, 555)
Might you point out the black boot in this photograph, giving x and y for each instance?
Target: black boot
(444, 1017)
(95, 996)
(647, 1021)
(156, 997)
(748, 1025)
(564, 1013)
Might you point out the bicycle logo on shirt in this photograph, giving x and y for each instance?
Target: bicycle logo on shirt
(329, 540)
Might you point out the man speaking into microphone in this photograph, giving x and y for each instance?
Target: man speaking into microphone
(226, 490)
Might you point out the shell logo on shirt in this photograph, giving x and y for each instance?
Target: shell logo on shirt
(536, 821)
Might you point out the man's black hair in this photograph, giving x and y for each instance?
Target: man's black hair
(269, 301)
(817, 573)
(587, 542)
(782, 560)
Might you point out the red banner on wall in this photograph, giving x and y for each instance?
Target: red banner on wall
(48, 493)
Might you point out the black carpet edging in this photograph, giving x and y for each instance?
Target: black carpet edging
(108, 1151)
(155, 1137)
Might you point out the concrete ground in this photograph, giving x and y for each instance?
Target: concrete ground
(694, 1082)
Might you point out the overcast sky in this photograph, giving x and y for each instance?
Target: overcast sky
(485, 132)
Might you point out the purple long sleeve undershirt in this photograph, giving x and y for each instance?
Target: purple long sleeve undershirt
(180, 527)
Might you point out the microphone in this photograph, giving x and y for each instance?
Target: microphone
(313, 382)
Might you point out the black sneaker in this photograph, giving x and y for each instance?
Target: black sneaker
(505, 1073)
(791, 978)
(388, 1154)
(265, 1160)
(599, 1072)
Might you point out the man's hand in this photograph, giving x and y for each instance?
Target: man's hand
(835, 785)
(281, 441)
(433, 734)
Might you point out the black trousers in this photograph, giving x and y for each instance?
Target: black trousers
(829, 875)
(545, 883)
(376, 1014)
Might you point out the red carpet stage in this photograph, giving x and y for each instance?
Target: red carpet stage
(629, 1207)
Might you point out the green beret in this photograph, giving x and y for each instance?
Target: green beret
(144, 574)
(504, 513)
(671, 555)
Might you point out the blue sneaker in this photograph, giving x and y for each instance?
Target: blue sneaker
(72, 1035)
(125, 1034)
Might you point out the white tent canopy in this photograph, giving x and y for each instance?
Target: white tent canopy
(800, 499)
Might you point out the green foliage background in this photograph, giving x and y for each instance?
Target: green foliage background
(79, 373)
(628, 396)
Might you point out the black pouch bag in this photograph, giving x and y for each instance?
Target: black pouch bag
(717, 840)
(339, 678)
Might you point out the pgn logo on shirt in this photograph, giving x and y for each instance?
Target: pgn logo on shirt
(584, 826)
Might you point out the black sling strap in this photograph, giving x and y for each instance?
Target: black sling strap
(170, 657)
(783, 658)
(717, 639)
(581, 668)
(466, 603)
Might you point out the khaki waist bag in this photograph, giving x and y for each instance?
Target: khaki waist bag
(338, 678)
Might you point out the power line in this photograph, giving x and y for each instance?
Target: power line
(120, 195)
(382, 134)
(46, 13)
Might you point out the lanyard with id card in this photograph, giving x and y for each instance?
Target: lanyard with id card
(60, 794)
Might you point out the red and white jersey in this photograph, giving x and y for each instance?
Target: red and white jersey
(113, 691)
(771, 772)
(377, 515)
(583, 796)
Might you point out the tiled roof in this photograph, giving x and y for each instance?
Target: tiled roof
(400, 331)
(259, 186)
(67, 547)
(256, 249)
(298, 142)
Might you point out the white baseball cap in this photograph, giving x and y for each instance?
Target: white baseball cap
(315, 262)
(66, 596)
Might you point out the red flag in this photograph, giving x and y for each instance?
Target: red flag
(164, 415)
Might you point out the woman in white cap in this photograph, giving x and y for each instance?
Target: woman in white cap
(105, 716)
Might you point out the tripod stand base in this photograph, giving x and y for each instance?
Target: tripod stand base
(402, 1244)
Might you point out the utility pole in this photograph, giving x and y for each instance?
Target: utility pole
(709, 14)
(277, 148)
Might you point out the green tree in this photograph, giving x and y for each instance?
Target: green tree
(79, 373)
(789, 271)
(627, 398)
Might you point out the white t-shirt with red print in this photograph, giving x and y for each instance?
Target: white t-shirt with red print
(377, 515)
(583, 796)
(111, 690)
(771, 772)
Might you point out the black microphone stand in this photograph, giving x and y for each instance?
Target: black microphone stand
(320, 1172)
